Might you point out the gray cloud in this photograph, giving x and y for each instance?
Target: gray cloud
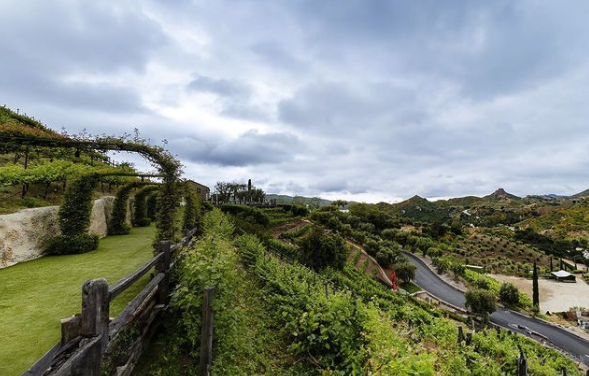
(249, 149)
(368, 99)
(221, 87)
(234, 96)
(51, 44)
(66, 37)
(338, 109)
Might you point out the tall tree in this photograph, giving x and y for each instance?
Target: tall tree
(481, 302)
(535, 289)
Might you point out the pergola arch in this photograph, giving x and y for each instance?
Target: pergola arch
(168, 167)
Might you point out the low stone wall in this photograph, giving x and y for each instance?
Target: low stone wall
(23, 234)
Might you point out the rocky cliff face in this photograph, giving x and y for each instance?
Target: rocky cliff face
(23, 234)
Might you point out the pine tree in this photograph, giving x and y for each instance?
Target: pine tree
(535, 289)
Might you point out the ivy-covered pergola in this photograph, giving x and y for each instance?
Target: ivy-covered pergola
(168, 167)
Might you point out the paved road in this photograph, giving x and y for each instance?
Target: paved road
(429, 281)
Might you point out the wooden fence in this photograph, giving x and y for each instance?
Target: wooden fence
(91, 344)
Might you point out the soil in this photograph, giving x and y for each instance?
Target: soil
(276, 231)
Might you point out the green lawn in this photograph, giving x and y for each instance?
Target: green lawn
(410, 287)
(36, 295)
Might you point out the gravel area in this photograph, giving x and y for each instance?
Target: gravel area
(554, 296)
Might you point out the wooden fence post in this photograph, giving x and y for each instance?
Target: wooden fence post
(522, 364)
(70, 328)
(164, 267)
(95, 317)
(460, 336)
(206, 336)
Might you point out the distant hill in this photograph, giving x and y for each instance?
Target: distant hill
(501, 195)
(419, 209)
(300, 200)
(585, 193)
(561, 221)
(461, 201)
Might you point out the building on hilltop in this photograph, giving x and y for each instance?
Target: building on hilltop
(202, 191)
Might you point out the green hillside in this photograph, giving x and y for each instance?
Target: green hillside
(298, 200)
(419, 209)
(562, 222)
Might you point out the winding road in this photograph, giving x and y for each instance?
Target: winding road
(560, 338)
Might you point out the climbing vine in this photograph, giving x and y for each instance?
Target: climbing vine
(168, 167)
(141, 219)
(117, 224)
(152, 206)
(192, 209)
(74, 217)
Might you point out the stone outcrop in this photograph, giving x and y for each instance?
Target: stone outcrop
(23, 234)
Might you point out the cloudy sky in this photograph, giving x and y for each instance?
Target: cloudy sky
(372, 100)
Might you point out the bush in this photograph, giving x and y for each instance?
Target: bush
(405, 271)
(67, 245)
(254, 215)
(480, 301)
(192, 210)
(321, 250)
(74, 213)
(152, 206)
(117, 224)
(509, 294)
(299, 211)
(142, 222)
(141, 218)
(481, 283)
(250, 248)
(29, 202)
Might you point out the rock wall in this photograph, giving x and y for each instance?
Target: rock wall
(23, 234)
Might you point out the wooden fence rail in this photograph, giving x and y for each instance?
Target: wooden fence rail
(91, 343)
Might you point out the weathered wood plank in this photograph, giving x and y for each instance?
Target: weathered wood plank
(95, 310)
(126, 282)
(71, 328)
(164, 267)
(206, 335)
(44, 363)
(84, 362)
(122, 319)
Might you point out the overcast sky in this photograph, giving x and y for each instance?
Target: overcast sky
(371, 100)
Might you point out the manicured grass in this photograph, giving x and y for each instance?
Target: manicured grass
(410, 287)
(36, 295)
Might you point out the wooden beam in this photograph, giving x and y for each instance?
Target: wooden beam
(127, 282)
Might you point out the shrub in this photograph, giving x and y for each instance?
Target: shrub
(405, 271)
(299, 211)
(74, 213)
(480, 301)
(254, 215)
(509, 294)
(320, 250)
(192, 210)
(29, 202)
(152, 206)
(74, 218)
(141, 218)
(117, 224)
(481, 283)
(249, 248)
(65, 245)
